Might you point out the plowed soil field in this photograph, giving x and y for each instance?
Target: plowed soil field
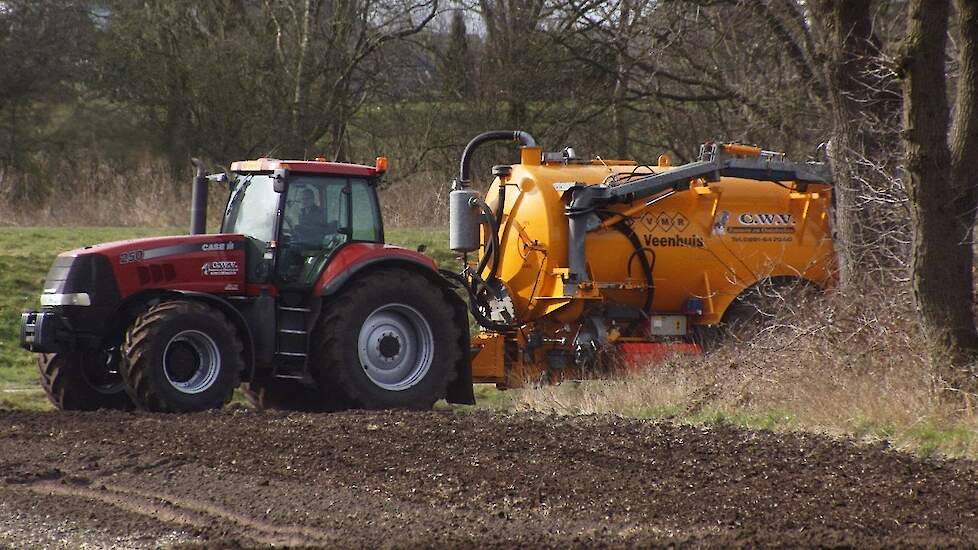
(445, 479)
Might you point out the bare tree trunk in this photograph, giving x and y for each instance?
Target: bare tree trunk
(964, 134)
(299, 94)
(942, 202)
(619, 118)
(849, 47)
(619, 115)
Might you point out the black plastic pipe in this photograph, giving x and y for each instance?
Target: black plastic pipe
(198, 200)
(465, 170)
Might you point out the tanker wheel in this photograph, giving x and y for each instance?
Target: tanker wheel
(83, 381)
(268, 392)
(181, 356)
(388, 341)
(756, 311)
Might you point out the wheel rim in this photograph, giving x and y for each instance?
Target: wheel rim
(396, 347)
(191, 361)
(101, 372)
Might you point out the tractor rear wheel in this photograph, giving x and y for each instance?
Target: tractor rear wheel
(268, 392)
(83, 381)
(181, 356)
(389, 340)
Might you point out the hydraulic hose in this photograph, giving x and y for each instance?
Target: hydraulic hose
(480, 317)
(643, 261)
(492, 248)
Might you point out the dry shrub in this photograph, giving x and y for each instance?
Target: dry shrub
(97, 195)
(419, 202)
(844, 363)
(147, 195)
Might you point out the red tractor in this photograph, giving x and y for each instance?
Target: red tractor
(297, 297)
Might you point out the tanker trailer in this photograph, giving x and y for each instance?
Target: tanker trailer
(568, 262)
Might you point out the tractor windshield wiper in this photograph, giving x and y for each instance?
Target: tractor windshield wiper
(239, 191)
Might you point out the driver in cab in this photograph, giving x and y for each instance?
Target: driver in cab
(310, 223)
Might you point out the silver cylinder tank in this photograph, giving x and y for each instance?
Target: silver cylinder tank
(463, 220)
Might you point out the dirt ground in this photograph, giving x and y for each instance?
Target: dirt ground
(445, 479)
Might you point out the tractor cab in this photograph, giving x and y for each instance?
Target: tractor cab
(297, 214)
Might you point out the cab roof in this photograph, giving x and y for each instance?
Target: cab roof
(304, 166)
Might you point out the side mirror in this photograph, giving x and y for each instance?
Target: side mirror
(280, 181)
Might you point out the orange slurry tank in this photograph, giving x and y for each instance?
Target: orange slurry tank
(569, 258)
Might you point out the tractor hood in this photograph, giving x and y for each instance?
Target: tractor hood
(155, 247)
(202, 263)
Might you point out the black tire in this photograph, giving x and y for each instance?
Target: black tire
(181, 356)
(82, 381)
(268, 392)
(389, 296)
(756, 311)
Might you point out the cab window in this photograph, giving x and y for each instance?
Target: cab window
(317, 220)
(366, 217)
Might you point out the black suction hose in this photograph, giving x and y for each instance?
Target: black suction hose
(464, 169)
(493, 219)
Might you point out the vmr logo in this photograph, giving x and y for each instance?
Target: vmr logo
(665, 222)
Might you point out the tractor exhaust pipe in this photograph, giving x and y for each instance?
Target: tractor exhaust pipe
(198, 200)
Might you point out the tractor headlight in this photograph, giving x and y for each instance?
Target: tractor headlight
(68, 299)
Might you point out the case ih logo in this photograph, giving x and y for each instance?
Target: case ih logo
(666, 222)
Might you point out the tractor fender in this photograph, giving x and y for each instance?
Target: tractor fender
(354, 258)
(133, 304)
(358, 259)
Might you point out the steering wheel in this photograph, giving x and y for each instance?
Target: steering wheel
(334, 240)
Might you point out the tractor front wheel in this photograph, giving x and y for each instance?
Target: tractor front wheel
(181, 356)
(83, 381)
(389, 340)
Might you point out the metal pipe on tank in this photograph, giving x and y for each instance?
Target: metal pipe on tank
(464, 169)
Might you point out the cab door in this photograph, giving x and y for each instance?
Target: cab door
(321, 215)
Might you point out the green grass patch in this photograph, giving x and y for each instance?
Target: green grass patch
(435, 242)
(13, 398)
(771, 420)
